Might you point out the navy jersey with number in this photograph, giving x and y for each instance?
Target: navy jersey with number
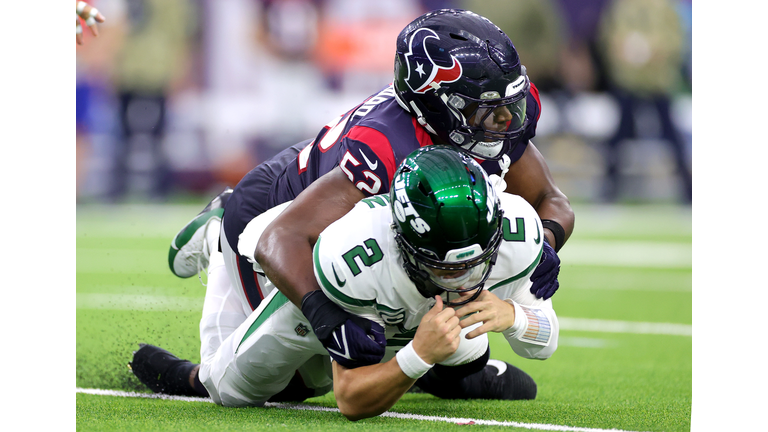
(367, 143)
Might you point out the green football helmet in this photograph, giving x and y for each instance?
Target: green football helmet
(447, 222)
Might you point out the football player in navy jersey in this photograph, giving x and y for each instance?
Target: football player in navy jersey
(458, 81)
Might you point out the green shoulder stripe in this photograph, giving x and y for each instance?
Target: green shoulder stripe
(329, 286)
(522, 273)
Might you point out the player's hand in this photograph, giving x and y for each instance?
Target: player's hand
(91, 16)
(544, 278)
(438, 335)
(495, 314)
(351, 341)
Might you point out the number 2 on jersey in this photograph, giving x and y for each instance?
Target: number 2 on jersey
(367, 257)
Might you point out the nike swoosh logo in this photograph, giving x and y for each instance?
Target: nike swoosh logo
(537, 240)
(339, 282)
(372, 166)
(342, 344)
(498, 364)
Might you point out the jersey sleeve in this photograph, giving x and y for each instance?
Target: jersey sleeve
(536, 330)
(534, 334)
(368, 160)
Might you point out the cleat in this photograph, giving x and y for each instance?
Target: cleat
(497, 380)
(190, 249)
(501, 380)
(162, 371)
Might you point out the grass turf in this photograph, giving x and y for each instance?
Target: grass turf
(634, 382)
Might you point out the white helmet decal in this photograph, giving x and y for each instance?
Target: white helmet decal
(403, 208)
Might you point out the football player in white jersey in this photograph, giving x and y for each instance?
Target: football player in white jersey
(433, 266)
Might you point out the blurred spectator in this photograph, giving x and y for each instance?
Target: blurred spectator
(535, 27)
(289, 28)
(356, 39)
(150, 64)
(642, 45)
(263, 57)
(258, 67)
(581, 65)
(685, 10)
(93, 94)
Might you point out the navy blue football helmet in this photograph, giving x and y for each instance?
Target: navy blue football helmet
(460, 76)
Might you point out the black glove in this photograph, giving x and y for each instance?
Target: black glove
(544, 278)
(352, 341)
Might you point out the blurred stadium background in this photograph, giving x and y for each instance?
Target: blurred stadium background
(177, 98)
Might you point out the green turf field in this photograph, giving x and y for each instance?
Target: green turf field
(624, 360)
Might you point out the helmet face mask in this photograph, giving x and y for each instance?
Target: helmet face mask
(447, 222)
(435, 277)
(461, 77)
(491, 123)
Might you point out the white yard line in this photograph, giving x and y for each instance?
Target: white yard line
(406, 416)
(634, 327)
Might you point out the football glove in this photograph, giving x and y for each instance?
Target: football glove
(351, 341)
(544, 278)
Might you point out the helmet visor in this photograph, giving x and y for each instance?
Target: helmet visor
(490, 124)
(495, 119)
(493, 116)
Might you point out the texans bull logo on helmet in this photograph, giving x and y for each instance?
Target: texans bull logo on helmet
(423, 73)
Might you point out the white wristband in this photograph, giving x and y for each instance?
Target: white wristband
(411, 364)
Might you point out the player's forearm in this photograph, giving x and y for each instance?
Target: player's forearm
(555, 206)
(530, 178)
(284, 250)
(535, 333)
(369, 390)
(286, 259)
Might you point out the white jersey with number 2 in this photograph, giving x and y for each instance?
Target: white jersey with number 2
(358, 265)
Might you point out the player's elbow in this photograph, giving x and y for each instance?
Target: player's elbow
(535, 352)
(352, 402)
(269, 240)
(355, 411)
(351, 407)
(353, 414)
(260, 254)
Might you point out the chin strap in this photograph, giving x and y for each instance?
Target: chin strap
(498, 180)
